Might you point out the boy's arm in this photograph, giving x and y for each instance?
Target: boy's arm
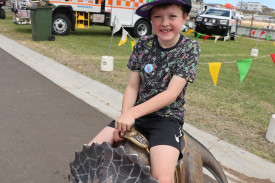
(161, 100)
(129, 100)
(176, 85)
(131, 91)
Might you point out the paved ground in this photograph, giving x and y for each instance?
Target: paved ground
(41, 124)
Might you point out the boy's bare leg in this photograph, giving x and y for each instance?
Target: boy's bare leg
(163, 162)
(105, 135)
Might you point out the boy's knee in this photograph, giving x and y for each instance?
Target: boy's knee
(164, 178)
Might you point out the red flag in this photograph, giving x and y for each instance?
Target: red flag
(263, 32)
(253, 32)
(206, 37)
(273, 57)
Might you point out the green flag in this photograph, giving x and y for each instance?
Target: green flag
(268, 37)
(198, 35)
(244, 66)
(242, 35)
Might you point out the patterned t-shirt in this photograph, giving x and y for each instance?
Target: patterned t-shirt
(157, 66)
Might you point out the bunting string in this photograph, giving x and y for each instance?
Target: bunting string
(214, 67)
(205, 36)
(243, 66)
(230, 62)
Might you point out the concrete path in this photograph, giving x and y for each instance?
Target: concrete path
(240, 165)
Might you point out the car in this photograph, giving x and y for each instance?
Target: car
(268, 27)
(217, 21)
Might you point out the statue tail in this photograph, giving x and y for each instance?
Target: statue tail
(212, 165)
(209, 162)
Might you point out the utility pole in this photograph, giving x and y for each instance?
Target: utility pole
(251, 26)
(241, 6)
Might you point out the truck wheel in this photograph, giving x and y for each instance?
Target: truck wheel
(2, 13)
(61, 24)
(142, 28)
(227, 34)
(196, 32)
(233, 37)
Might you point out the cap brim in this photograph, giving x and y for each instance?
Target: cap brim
(144, 10)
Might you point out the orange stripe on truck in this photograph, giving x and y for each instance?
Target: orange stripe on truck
(119, 7)
(74, 3)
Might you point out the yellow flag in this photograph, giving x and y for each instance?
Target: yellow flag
(274, 43)
(133, 44)
(189, 31)
(123, 38)
(214, 69)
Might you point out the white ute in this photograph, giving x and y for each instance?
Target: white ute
(217, 21)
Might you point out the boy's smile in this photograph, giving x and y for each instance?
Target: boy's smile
(167, 23)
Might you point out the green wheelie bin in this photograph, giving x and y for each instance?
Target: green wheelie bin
(41, 21)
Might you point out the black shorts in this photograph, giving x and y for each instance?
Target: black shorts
(160, 131)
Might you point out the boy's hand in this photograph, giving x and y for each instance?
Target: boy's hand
(118, 135)
(124, 121)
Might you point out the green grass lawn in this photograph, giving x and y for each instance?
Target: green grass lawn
(237, 113)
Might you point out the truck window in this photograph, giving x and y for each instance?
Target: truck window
(217, 12)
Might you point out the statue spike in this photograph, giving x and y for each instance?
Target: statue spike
(86, 147)
(121, 150)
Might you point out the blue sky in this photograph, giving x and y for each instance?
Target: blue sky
(268, 3)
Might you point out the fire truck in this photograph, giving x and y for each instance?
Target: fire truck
(68, 15)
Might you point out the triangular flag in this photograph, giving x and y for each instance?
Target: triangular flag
(216, 38)
(198, 35)
(274, 43)
(189, 31)
(206, 37)
(117, 26)
(225, 38)
(214, 69)
(273, 57)
(268, 37)
(184, 27)
(242, 35)
(253, 32)
(244, 66)
(132, 44)
(263, 32)
(124, 37)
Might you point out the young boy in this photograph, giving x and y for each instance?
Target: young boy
(160, 66)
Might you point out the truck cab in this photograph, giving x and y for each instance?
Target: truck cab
(217, 21)
(69, 15)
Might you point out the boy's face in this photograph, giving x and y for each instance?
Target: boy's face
(167, 24)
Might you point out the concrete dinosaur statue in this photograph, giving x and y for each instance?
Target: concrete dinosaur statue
(128, 161)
